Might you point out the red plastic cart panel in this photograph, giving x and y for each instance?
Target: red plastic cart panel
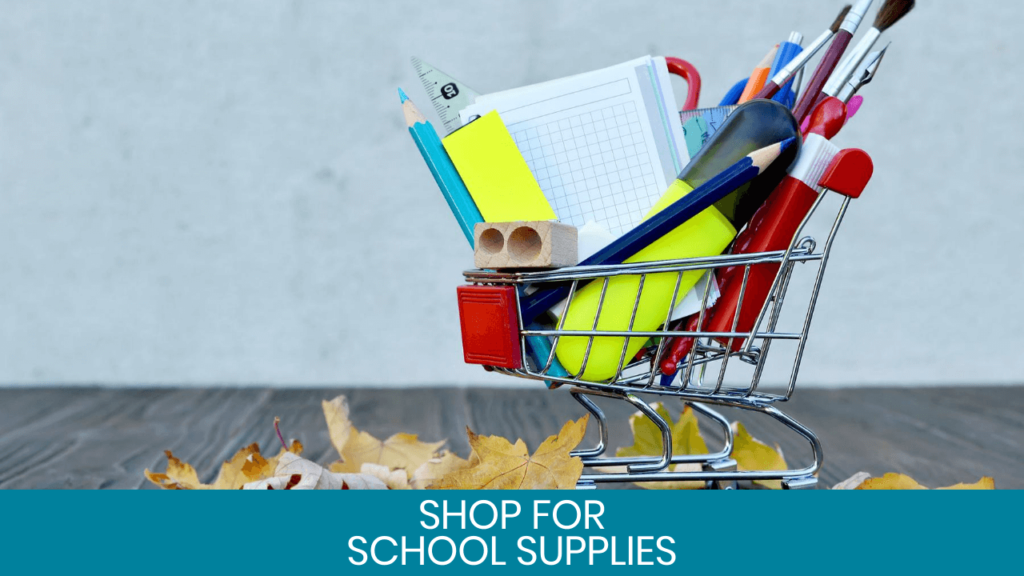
(490, 328)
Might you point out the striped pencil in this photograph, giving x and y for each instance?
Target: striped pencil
(660, 224)
(441, 167)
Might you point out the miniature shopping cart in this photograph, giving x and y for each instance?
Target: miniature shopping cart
(701, 379)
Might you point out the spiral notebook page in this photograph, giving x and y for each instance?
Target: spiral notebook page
(603, 146)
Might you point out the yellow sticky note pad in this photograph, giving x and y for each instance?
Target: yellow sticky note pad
(495, 173)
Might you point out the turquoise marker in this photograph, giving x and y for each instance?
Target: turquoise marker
(448, 180)
(462, 205)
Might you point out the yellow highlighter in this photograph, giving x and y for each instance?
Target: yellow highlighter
(706, 234)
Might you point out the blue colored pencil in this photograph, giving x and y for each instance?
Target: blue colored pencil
(462, 205)
(448, 179)
(663, 222)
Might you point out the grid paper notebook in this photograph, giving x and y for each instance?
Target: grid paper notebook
(603, 146)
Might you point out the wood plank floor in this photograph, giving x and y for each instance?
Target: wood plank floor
(104, 438)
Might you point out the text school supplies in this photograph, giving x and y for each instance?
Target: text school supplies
(683, 224)
(495, 173)
(441, 167)
(447, 94)
(798, 63)
(603, 145)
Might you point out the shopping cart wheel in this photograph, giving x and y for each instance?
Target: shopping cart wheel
(804, 483)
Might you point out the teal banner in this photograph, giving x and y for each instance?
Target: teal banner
(452, 532)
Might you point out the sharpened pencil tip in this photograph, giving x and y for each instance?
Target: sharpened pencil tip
(402, 96)
(763, 157)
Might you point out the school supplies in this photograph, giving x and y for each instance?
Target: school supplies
(753, 125)
(540, 244)
(659, 235)
(683, 224)
(602, 145)
(890, 13)
(441, 167)
(759, 76)
(831, 59)
(495, 173)
(798, 63)
(447, 94)
(771, 228)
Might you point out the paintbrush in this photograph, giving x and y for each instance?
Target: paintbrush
(831, 59)
(864, 74)
(890, 13)
(798, 63)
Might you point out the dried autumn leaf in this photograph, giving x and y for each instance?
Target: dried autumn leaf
(338, 425)
(686, 439)
(400, 451)
(752, 454)
(245, 466)
(852, 482)
(295, 473)
(894, 481)
(890, 481)
(986, 483)
(436, 468)
(503, 465)
(393, 479)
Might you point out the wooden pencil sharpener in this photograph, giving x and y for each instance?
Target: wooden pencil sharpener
(542, 244)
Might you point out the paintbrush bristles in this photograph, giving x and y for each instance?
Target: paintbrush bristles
(891, 12)
(839, 19)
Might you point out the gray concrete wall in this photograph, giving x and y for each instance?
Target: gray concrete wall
(225, 192)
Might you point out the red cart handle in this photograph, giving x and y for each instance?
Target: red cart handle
(684, 69)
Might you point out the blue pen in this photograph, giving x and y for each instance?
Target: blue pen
(734, 93)
(787, 52)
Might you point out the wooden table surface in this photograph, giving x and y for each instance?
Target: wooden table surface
(104, 438)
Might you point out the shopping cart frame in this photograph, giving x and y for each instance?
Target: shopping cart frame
(640, 376)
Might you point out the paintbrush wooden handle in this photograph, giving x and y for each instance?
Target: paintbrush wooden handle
(770, 89)
(825, 68)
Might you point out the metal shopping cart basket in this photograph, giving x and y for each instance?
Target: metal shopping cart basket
(701, 380)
